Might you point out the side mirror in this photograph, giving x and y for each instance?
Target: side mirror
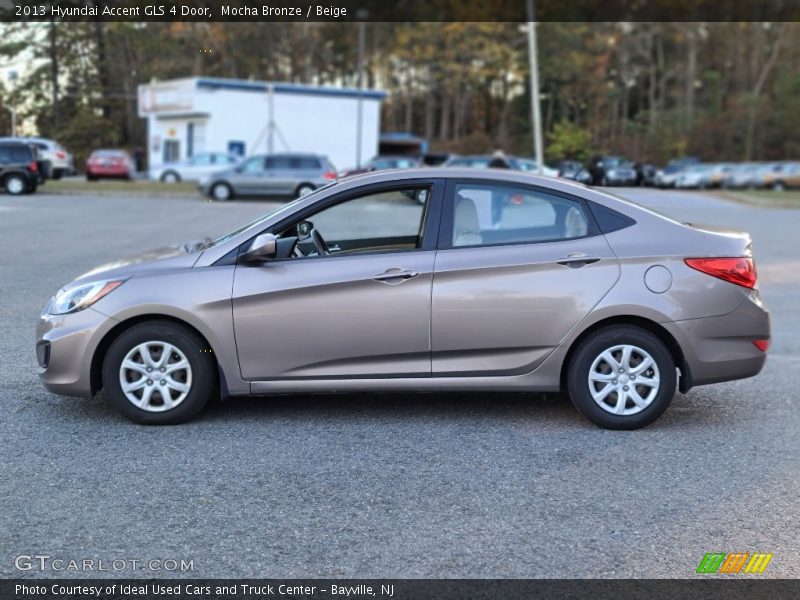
(263, 247)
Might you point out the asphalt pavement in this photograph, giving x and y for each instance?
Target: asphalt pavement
(400, 485)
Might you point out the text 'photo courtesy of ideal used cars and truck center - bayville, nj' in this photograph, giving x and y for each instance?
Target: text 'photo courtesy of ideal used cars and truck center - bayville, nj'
(499, 300)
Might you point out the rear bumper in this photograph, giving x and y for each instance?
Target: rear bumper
(721, 348)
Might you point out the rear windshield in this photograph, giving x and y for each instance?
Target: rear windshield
(108, 154)
(15, 153)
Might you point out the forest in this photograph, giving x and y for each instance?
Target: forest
(648, 91)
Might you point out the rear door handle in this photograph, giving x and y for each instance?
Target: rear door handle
(576, 260)
(395, 275)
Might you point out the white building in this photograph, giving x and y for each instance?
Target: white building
(201, 114)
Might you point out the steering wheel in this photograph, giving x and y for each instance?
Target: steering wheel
(319, 243)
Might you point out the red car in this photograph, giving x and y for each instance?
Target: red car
(109, 164)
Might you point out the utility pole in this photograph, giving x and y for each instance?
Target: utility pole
(13, 121)
(360, 108)
(271, 119)
(535, 107)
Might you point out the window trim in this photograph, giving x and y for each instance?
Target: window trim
(431, 216)
(445, 235)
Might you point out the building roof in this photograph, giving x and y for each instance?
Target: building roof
(246, 85)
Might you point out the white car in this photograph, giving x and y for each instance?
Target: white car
(61, 161)
(197, 167)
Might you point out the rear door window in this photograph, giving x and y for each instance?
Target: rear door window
(496, 214)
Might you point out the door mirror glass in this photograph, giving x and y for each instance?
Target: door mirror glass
(304, 229)
(263, 247)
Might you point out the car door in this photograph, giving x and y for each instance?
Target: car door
(250, 175)
(278, 178)
(518, 268)
(362, 311)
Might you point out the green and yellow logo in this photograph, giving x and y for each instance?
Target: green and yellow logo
(736, 562)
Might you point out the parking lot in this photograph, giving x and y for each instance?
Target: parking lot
(400, 485)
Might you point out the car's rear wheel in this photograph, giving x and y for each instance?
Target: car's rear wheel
(170, 177)
(15, 184)
(622, 377)
(159, 373)
(304, 189)
(221, 192)
(779, 186)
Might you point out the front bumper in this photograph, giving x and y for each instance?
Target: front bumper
(65, 345)
(721, 348)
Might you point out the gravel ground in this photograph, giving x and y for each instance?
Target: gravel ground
(435, 485)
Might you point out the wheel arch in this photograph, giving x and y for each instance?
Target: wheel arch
(653, 327)
(96, 368)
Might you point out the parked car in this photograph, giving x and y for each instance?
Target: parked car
(742, 176)
(695, 176)
(787, 177)
(718, 174)
(195, 168)
(270, 175)
(350, 289)
(574, 170)
(645, 174)
(482, 161)
(19, 168)
(380, 163)
(60, 161)
(612, 170)
(109, 164)
(666, 177)
(765, 174)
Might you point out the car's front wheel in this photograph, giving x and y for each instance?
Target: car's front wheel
(159, 373)
(622, 377)
(221, 192)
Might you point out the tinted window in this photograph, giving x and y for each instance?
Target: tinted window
(15, 154)
(279, 162)
(305, 162)
(503, 214)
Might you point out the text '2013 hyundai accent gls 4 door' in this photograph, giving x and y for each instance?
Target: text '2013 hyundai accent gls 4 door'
(425, 279)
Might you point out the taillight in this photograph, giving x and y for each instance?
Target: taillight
(330, 175)
(762, 345)
(740, 270)
(33, 167)
(60, 155)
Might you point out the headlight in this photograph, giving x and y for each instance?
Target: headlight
(82, 296)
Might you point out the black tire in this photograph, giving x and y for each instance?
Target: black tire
(304, 189)
(779, 186)
(15, 184)
(581, 364)
(170, 177)
(57, 174)
(203, 371)
(221, 192)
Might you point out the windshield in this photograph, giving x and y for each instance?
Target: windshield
(260, 220)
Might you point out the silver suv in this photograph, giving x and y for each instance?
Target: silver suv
(270, 175)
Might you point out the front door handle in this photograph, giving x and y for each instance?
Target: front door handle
(576, 260)
(395, 275)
